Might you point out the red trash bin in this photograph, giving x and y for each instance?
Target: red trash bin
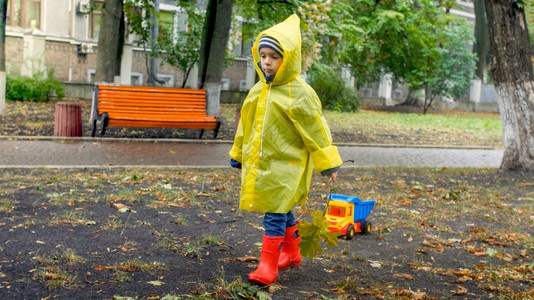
(68, 119)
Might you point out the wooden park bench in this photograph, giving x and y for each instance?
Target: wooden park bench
(136, 106)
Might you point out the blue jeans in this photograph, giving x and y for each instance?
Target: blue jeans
(276, 224)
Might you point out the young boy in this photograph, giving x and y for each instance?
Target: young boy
(281, 136)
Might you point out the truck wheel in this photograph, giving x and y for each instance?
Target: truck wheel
(366, 227)
(350, 232)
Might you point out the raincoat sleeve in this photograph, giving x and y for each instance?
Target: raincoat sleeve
(236, 152)
(237, 148)
(312, 126)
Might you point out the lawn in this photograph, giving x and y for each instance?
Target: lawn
(436, 128)
(367, 126)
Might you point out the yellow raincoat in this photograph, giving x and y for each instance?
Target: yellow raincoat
(282, 133)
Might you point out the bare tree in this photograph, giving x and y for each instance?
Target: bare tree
(514, 80)
(110, 41)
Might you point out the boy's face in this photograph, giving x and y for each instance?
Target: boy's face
(270, 61)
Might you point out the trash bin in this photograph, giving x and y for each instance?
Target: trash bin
(68, 119)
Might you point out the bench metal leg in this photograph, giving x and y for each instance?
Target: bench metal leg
(93, 130)
(201, 134)
(216, 130)
(105, 120)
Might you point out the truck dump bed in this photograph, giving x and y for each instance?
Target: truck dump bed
(362, 208)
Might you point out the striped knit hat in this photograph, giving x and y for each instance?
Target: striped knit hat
(267, 41)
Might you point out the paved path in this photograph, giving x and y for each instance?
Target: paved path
(87, 152)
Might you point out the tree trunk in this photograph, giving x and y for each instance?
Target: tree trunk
(411, 99)
(482, 38)
(3, 13)
(110, 41)
(215, 36)
(514, 81)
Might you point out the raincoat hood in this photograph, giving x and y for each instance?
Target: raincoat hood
(288, 35)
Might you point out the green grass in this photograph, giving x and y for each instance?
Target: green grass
(7, 205)
(453, 128)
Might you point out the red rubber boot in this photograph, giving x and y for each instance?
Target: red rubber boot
(290, 253)
(267, 271)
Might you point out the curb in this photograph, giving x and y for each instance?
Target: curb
(189, 141)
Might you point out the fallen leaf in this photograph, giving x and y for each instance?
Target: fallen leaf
(245, 259)
(122, 208)
(436, 245)
(462, 272)
(477, 251)
(460, 290)
(261, 295)
(462, 279)
(375, 264)
(491, 288)
(156, 282)
(403, 275)
(495, 242)
(491, 252)
(52, 276)
(477, 230)
(411, 294)
(182, 205)
(102, 268)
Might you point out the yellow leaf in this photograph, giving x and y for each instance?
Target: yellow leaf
(156, 282)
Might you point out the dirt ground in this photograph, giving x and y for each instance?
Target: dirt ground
(178, 234)
(125, 233)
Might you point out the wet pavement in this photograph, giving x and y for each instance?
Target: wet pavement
(35, 152)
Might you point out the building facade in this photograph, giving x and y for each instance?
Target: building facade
(63, 35)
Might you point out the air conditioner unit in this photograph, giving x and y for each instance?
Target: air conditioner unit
(225, 84)
(85, 48)
(83, 7)
(366, 92)
(243, 85)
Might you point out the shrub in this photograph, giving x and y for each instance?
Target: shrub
(331, 88)
(37, 88)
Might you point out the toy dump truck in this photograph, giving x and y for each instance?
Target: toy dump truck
(347, 214)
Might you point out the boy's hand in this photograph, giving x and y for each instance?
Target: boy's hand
(234, 163)
(332, 176)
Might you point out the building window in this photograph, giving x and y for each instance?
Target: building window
(398, 94)
(168, 78)
(24, 13)
(91, 75)
(247, 39)
(225, 84)
(166, 27)
(95, 20)
(367, 90)
(137, 79)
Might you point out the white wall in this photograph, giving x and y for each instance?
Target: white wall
(56, 17)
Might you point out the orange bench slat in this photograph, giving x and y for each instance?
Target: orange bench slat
(188, 125)
(129, 106)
